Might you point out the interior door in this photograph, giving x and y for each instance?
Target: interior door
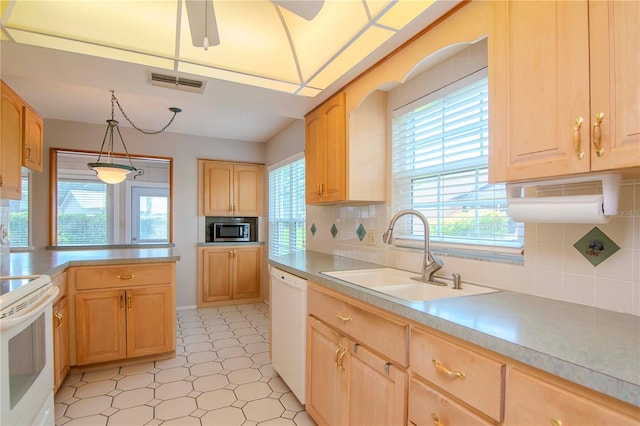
(149, 215)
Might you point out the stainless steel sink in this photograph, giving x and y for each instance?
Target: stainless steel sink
(398, 283)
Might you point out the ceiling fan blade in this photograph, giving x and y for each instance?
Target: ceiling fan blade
(307, 9)
(196, 15)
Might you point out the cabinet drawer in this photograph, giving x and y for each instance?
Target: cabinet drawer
(120, 276)
(382, 334)
(480, 381)
(534, 401)
(428, 407)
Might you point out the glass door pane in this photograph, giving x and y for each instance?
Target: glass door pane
(149, 215)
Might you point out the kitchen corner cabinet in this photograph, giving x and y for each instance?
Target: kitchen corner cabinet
(124, 311)
(230, 189)
(61, 317)
(350, 376)
(33, 134)
(345, 151)
(564, 88)
(229, 274)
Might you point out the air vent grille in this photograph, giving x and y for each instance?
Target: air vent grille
(171, 82)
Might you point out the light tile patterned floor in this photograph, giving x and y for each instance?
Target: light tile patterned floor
(221, 375)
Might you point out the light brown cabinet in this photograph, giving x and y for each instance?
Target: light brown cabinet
(123, 311)
(229, 273)
(535, 400)
(563, 101)
(32, 139)
(61, 318)
(346, 372)
(11, 134)
(230, 189)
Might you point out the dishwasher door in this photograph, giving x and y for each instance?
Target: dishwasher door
(289, 329)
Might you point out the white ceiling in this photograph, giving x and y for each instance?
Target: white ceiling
(72, 86)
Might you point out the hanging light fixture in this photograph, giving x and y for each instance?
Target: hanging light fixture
(205, 41)
(108, 171)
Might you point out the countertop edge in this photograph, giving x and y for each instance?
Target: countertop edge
(614, 387)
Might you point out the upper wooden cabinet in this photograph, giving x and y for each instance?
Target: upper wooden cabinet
(230, 189)
(345, 151)
(11, 134)
(555, 69)
(32, 139)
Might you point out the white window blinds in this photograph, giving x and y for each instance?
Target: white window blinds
(287, 209)
(440, 167)
(19, 217)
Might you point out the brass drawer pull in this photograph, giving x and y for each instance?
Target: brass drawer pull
(445, 370)
(597, 134)
(342, 317)
(126, 276)
(576, 138)
(556, 422)
(436, 420)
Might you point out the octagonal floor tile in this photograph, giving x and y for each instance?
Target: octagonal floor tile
(172, 374)
(88, 407)
(225, 343)
(215, 399)
(132, 416)
(237, 363)
(130, 370)
(175, 408)
(252, 391)
(208, 383)
(183, 421)
(95, 388)
(95, 376)
(205, 368)
(135, 381)
(201, 357)
(91, 420)
(229, 416)
(246, 375)
(290, 402)
(171, 362)
(131, 398)
(174, 390)
(231, 352)
(263, 409)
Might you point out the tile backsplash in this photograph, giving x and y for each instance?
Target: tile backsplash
(552, 266)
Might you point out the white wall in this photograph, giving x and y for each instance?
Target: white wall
(184, 149)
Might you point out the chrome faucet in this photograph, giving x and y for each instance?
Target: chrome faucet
(430, 263)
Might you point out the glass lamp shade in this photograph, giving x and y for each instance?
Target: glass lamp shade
(111, 173)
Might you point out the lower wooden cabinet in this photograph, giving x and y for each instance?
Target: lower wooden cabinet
(61, 363)
(123, 311)
(533, 400)
(347, 382)
(229, 273)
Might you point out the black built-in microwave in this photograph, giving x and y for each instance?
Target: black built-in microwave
(230, 229)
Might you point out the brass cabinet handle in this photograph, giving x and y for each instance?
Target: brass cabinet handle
(59, 318)
(335, 356)
(341, 358)
(597, 134)
(342, 317)
(576, 138)
(436, 420)
(445, 370)
(129, 301)
(28, 148)
(122, 302)
(556, 422)
(126, 276)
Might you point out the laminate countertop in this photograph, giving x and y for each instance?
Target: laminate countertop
(593, 347)
(51, 262)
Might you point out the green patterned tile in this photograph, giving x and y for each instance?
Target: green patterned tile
(334, 230)
(596, 247)
(313, 229)
(361, 232)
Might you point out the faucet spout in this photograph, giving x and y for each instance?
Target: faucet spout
(430, 263)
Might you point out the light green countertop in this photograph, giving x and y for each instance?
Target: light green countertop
(593, 347)
(50, 262)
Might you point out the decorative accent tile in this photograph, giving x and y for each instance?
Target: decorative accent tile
(361, 232)
(596, 247)
(334, 230)
(313, 229)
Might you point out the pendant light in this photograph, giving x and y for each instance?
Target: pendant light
(108, 171)
(205, 42)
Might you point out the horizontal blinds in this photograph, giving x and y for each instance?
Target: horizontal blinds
(440, 167)
(82, 212)
(19, 217)
(287, 209)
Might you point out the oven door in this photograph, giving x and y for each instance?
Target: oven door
(26, 364)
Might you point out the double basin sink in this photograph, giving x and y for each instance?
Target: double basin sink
(400, 284)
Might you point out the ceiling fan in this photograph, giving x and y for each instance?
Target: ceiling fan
(204, 32)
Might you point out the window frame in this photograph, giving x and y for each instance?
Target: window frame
(24, 175)
(301, 198)
(114, 218)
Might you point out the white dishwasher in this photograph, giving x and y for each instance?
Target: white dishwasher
(289, 329)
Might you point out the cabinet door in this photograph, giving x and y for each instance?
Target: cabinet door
(32, 140)
(533, 401)
(217, 188)
(247, 190)
(327, 380)
(247, 272)
(335, 172)
(539, 86)
(100, 326)
(377, 390)
(314, 156)
(150, 320)
(217, 274)
(60, 342)
(615, 82)
(11, 139)
(429, 407)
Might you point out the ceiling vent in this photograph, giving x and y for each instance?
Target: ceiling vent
(171, 82)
